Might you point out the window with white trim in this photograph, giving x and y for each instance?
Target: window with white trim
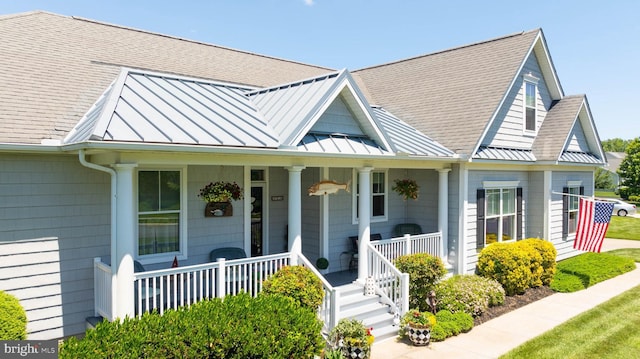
(530, 102)
(378, 195)
(500, 219)
(159, 212)
(574, 199)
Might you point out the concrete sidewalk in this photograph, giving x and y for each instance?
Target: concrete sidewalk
(497, 336)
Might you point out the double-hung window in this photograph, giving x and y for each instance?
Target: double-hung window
(530, 103)
(378, 196)
(159, 212)
(499, 213)
(570, 204)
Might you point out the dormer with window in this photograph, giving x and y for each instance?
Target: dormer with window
(530, 103)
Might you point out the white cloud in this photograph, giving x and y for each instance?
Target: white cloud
(309, 2)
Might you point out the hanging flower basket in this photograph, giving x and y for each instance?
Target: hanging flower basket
(407, 188)
(218, 196)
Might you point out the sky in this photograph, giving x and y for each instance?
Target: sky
(594, 45)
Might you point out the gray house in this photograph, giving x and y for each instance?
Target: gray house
(108, 134)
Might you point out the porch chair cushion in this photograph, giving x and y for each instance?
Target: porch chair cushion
(406, 228)
(227, 253)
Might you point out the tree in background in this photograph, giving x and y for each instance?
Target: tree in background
(615, 145)
(602, 179)
(629, 170)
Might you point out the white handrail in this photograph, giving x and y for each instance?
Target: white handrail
(391, 284)
(393, 248)
(329, 310)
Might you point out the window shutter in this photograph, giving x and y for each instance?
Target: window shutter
(565, 212)
(480, 213)
(519, 213)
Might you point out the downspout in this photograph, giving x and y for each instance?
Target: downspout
(114, 182)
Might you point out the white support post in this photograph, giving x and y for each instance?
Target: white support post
(125, 241)
(220, 280)
(364, 221)
(295, 212)
(443, 212)
(407, 244)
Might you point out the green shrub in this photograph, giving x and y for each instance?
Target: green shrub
(634, 198)
(468, 293)
(239, 327)
(587, 269)
(424, 272)
(449, 324)
(548, 255)
(518, 265)
(296, 282)
(13, 319)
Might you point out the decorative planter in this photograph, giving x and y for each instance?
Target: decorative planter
(218, 209)
(419, 336)
(356, 352)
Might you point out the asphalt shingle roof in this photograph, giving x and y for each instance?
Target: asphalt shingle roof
(449, 95)
(557, 125)
(54, 67)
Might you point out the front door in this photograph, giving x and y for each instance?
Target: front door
(257, 216)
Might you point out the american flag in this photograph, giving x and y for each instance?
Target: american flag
(593, 221)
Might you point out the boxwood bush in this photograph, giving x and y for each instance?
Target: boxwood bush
(424, 272)
(517, 265)
(296, 282)
(239, 326)
(468, 293)
(13, 319)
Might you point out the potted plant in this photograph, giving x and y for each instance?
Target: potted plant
(217, 196)
(352, 338)
(417, 326)
(407, 188)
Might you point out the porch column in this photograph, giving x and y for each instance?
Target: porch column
(364, 220)
(443, 211)
(122, 259)
(295, 212)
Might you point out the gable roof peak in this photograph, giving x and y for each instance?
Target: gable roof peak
(450, 49)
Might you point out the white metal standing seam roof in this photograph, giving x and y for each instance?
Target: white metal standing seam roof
(156, 108)
(340, 144)
(509, 154)
(406, 139)
(579, 157)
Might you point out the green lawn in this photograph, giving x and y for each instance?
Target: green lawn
(624, 228)
(610, 330)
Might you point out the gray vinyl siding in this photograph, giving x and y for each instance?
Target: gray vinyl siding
(337, 119)
(208, 233)
(311, 218)
(54, 219)
(564, 246)
(507, 129)
(476, 179)
(535, 206)
(577, 139)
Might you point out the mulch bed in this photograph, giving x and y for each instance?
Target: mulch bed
(514, 302)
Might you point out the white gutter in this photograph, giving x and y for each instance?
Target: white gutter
(114, 183)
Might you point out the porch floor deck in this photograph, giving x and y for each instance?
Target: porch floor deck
(340, 278)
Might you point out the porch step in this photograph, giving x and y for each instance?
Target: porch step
(93, 321)
(369, 310)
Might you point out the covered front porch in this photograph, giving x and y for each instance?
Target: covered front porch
(171, 288)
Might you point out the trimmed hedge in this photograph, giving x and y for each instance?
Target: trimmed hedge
(13, 319)
(296, 282)
(518, 265)
(239, 326)
(468, 293)
(424, 272)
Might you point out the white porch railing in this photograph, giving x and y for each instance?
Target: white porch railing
(420, 243)
(391, 284)
(329, 309)
(102, 289)
(182, 286)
